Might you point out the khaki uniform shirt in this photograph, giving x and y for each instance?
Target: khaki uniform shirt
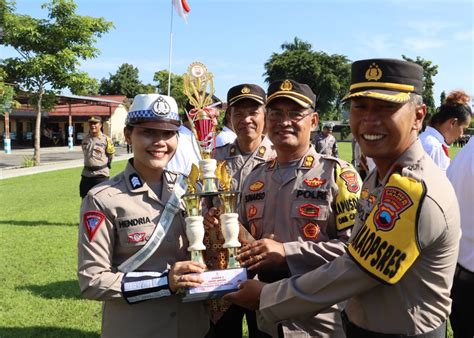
(130, 211)
(325, 145)
(98, 151)
(312, 213)
(418, 302)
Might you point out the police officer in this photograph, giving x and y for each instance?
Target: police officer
(98, 151)
(246, 111)
(399, 266)
(300, 207)
(132, 251)
(325, 142)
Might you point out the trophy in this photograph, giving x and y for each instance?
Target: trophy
(210, 180)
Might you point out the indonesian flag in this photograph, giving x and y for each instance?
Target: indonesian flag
(181, 6)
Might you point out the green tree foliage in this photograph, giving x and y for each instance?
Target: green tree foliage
(327, 75)
(49, 51)
(125, 81)
(442, 97)
(429, 72)
(177, 87)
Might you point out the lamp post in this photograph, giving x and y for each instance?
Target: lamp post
(7, 146)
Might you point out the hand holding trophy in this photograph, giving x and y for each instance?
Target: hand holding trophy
(203, 183)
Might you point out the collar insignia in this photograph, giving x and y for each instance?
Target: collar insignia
(374, 73)
(232, 150)
(261, 151)
(135, 181)
(308, 161)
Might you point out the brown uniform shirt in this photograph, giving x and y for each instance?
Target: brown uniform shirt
(129, 211)
(312, 212)
(326, 145)
(97, 153)
(419, 302)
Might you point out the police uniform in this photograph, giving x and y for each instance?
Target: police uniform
(311, 211)
(118, 218)
(326, 144)
(400, 262)
(98, 152)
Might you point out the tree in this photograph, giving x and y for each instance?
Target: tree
(327, 75)
(49, 51)
(429, 71)
(442, 97)
(177, 87)
(124, 82)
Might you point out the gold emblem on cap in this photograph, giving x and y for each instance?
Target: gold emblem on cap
(245, 90)
(286, 85)
(374, 73)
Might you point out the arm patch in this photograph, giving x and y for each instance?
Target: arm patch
(348, 183)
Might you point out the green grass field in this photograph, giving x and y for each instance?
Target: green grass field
(39, 293)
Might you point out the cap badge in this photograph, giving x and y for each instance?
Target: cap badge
(286, 85)
(374, 73)
(245, 90)
(161, 107)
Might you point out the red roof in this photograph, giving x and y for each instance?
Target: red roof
(83, 109)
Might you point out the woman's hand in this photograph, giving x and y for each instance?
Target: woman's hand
(185, 275)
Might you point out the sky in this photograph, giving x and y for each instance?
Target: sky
(234, 38)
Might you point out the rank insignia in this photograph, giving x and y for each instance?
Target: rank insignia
(137, 237)
(135, 181)
(309, 210)
(374, 73)
(314, 182)
(261, 151)
(232, 151)
(253, 229)
(350, 178)
(308, 161)
(256, 186)
(394, 201)
(311, 231)
(364, 194)
(92, 221)
(252, 211)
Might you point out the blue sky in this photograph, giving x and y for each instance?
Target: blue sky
(235, 38)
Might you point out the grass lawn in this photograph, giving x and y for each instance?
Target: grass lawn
(39, 293)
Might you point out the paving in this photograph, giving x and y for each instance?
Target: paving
(52, 158)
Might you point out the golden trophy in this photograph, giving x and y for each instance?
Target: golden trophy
(208, 181)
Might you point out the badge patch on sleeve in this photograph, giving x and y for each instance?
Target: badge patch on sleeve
(351, 179)
(92, 221)
(348, 183)
(386, 245)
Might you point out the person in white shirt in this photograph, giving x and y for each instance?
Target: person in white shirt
(445, 127)
(227, 135)
(461, 175)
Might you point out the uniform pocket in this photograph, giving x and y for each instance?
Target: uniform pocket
(311, 219)
(134, 231)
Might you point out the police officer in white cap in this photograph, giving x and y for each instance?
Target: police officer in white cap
(132, 250)
(325, 142)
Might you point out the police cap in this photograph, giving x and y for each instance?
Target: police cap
(245, 91)
(154, 108)
(298, 92)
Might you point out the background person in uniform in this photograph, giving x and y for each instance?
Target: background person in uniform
(117, 220)
(98, 152)
(300, 207)
(325, 142)
(461, 175)
(227, 134)
(445, 127)
(246, 113)
(397, 271)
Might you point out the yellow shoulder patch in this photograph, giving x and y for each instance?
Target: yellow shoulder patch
(386, 245)
(348, 183)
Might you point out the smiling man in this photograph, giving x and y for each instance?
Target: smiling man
(398, 269)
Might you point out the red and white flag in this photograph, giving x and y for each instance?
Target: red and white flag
(182, 8)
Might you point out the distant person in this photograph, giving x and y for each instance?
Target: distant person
(363, 164)
(325, 142)
(227, 134)
(98, 152)
(461, 175)
(446, 126)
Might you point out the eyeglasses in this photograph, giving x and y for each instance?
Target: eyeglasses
(292, 115)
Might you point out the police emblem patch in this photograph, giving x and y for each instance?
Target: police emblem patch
(135, 181)
(245, 90)
(309, 210)
(374, 73)
(252, 211)
(286, 85)
(256, 186)
(137, 237)
(161, 107)
(311, 231)
(314, 182)
(92, 221)
(394, 202)
(350, 178)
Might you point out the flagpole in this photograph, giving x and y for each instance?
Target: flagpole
(170, 50)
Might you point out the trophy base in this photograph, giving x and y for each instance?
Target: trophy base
(216, 283)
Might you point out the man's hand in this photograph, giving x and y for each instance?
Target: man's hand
(262, 254)
(248, 295)
(179, 276)
(211, 218)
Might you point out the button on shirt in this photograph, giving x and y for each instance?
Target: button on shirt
(434, 144)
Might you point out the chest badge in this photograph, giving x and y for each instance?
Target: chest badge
(311, 231)
(314, 182)
(256, 186)
(309, 210)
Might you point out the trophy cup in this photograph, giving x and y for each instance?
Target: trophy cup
(203, 183)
